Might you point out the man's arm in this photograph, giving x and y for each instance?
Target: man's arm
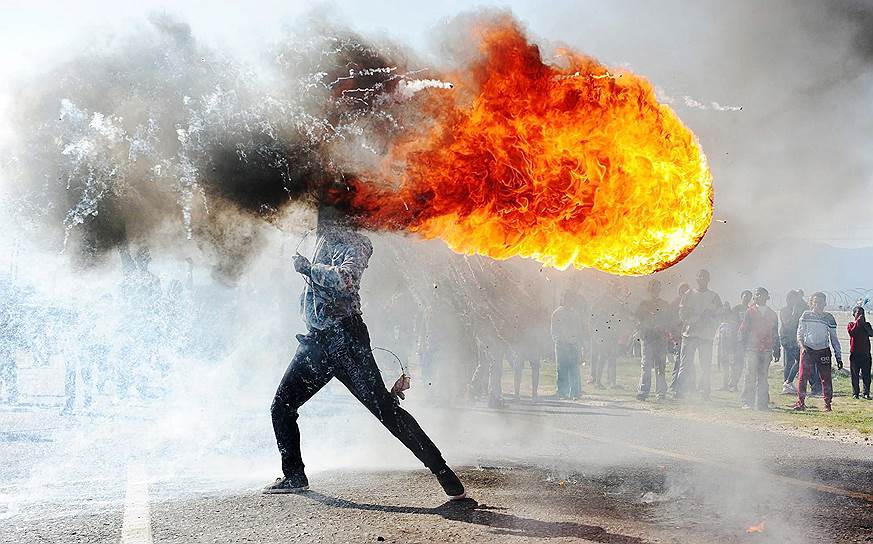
(835, 342)
(777, 345)
(743, 332)
(801, 331)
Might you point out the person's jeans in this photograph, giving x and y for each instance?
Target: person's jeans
(815, 361)
(654, 359)
(687, 373)
(859, 366)
(791, 362)
(568, 357)
(342, 351)
(756, 391)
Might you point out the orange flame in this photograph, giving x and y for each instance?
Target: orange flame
(570, 165)
(759, 528)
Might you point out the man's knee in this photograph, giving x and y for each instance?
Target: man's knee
(283, 407)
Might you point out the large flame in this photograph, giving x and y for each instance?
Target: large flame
(570, 164)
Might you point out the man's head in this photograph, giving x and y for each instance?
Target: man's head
(791, 297)
(818, 301)
(858, 311)
(761, 296)
(703, 279)
(746, 297)
(684, 288)
(654, 288)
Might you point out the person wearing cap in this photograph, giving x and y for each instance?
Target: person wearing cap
(759, 340)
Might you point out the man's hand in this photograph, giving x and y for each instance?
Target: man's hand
(401, 385)
(302, 264)
(776, 354)
(839, 364)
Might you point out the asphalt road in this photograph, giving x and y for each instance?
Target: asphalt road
(180, 471)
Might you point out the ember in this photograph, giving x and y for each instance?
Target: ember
(574, 164)
(759, 528)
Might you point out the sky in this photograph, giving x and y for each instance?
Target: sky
(794, 163)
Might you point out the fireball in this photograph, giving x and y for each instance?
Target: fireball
(569, 163)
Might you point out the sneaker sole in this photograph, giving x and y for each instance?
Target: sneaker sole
(460, 497)
(286, 491)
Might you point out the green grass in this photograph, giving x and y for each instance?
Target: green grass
(848, 414)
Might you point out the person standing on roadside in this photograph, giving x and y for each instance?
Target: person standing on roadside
(699, 312)
(860, 332)
(789, 319)
(654, 322)
(674, 342)
(816, 334)
(732, 378)
(759, 341)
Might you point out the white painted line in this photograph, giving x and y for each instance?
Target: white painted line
(136, 526)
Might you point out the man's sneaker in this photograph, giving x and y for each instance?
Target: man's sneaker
(788, 389)
(289, 484)
(799, 407)
(867, 396)
(641, 396)
(827, 408)
(854, 396)
(451, 484)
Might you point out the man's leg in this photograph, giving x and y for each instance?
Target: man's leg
(357, 370)
(704, 351)
(495, 378)
(747, 394)
(308, 372)
(865, 374)
(855, 372)
(575, 372)
(611, 366)
(535, 378)
(804, 372)
(517, 372)
(792, 361)
(646, 363)
(815, 380)
(560, 370)
(762, 369)
(827, 388)
(685, 377)
(660, 367)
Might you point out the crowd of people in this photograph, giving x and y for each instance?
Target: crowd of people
(697, 332)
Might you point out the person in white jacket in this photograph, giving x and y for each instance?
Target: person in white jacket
(816, 334)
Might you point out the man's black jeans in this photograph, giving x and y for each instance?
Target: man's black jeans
(342, 351)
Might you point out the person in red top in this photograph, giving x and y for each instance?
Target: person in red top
(860, 332)
(759, 338)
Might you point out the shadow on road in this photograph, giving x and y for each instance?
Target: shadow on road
(470, 511)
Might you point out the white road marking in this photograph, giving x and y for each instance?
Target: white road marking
(136, 526)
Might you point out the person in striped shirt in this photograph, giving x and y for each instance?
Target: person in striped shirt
(816, 334)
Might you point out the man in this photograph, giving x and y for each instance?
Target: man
(698, 310)
(789, 319)
(338, 345)
(567, 336)
(674, 342)
(860, 332)
(141, 296)
(816, 334)
(731, 378)
(654, 323)
(759, 340)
